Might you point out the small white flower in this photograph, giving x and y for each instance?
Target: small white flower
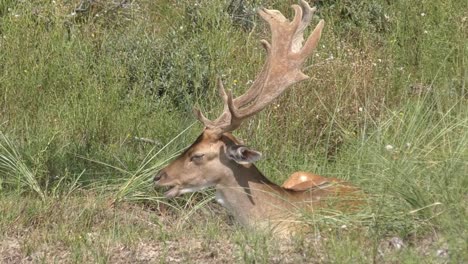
(389, 147)
(360, 109)
(408, 145)
(423, 14)
(396, 242)
(442, 252)
(425, 31)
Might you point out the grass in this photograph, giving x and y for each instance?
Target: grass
(17, 173)
(95, 99)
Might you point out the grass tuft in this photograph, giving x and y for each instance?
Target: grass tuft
(14, 171)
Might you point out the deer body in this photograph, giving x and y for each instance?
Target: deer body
(257, 203)
(217, 159)
(242, 189)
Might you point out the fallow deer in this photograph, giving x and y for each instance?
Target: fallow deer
(217, 159)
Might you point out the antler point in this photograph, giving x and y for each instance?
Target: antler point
(196, 111)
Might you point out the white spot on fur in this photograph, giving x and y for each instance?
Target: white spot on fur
(303, 178)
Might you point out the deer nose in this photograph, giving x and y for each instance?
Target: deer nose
(161, 174)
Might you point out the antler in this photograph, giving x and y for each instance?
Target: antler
(285, 56)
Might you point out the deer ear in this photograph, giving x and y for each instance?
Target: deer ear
(242, 154)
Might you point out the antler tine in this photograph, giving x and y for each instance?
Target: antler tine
(226, 115)
(313, 40)
(223, 94)
(303, 16)
(205, 121)
(285, 56)
(223, 118)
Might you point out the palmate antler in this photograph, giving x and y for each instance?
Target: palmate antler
(285, 56)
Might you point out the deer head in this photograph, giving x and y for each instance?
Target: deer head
(217, 158)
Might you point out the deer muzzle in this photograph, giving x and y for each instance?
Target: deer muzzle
(160, 179)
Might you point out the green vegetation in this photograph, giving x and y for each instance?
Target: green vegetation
(95, 96)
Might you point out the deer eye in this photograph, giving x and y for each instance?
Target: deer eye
(197, 157)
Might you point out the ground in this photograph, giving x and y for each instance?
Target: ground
(97, 232)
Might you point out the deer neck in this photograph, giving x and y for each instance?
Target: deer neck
(252, 198)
